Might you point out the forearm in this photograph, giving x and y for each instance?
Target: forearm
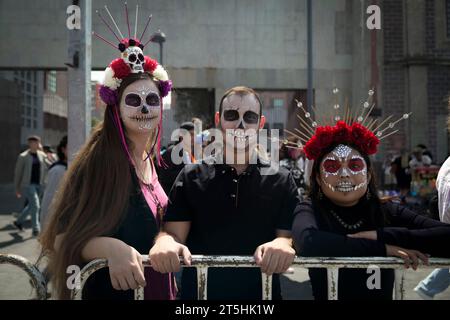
(163, 235)
(286, 240)
(432, 240)
(315, 243)
(100, 248)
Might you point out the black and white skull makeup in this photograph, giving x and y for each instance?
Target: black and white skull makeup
(140, 106)
(240, 120)
(343, 175)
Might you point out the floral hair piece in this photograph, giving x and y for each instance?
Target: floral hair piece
(359, 131)
(132, 60)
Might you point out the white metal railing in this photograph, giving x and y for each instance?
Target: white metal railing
(202, 263)
(37, 280)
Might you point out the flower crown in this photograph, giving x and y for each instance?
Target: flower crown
(132, 60)
(363, 133)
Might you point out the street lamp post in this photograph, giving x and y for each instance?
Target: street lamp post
(159, 37)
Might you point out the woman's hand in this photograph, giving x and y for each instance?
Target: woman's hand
(411, 257)
(370, 235)
(125, 267)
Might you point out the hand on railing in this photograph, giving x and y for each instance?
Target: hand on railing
(275, 256)
(411, 257)
(164, 255)
(125, 267)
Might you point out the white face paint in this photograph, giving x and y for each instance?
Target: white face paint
(140, 106)
(343, 175)
(240, 120)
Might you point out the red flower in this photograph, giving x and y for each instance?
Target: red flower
(121, 69)
(370, 143)
(341, 132)
(125, 42)
(364, 139)
(324, 136)
(357, 135)
(150, 64)
(311, 149)
(357, 132)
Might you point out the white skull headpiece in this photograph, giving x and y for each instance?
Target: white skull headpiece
(134, 57)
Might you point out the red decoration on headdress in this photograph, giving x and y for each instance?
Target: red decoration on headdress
(150, 64)
(121, 69)
(130, 42)
(356, 134)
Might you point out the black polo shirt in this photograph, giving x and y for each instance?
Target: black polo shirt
(231, 214)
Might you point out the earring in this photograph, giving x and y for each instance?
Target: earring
(320, 195)
(368, 195)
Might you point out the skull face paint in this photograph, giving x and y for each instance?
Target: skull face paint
(240, 120)
(140, 106)
(134, 57)
(343, 175)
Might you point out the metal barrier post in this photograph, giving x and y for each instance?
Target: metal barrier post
(37, 279)
(202, 283)
(333, 277)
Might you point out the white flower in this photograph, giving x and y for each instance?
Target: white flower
(160, 73)
(110, 81)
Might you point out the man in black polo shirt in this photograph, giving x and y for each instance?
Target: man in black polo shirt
(230, 209)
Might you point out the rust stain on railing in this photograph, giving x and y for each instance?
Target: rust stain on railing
(202, 282)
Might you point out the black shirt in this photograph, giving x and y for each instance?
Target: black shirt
(231, 214)
(138, 229)
(318, 236)
(35, 169)
(168, 171)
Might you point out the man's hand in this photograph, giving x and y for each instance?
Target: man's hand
(275, 256)
(18, 195)
(164, 255)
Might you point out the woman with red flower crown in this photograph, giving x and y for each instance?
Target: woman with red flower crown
(343, 215)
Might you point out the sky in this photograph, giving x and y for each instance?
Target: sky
(97, 76)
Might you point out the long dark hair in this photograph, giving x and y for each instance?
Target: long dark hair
(89, 203)
(375, 215)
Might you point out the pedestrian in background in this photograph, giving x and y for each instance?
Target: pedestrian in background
(29, 177)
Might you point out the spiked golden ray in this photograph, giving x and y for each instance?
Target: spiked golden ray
(306, 125)
(303, 134)
(296, 135)
(368, 114)
(387, 135)
(382, 123)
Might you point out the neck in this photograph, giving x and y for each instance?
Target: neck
(240, 167)
(140, 143)
(345, 204)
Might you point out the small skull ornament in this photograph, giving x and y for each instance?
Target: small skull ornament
(134, 57)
